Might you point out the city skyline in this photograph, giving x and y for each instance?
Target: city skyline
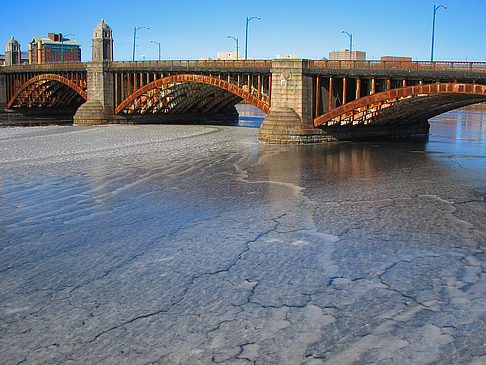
(192, 30)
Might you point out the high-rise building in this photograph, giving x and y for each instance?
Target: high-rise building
(12, 53)
(54, 48)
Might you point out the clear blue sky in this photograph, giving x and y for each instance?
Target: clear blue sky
(189, 29)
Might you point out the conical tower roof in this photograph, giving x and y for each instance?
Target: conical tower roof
(12, 41)
(102, 26)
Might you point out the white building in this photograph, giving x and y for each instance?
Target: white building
(346, 55)
(224, 56)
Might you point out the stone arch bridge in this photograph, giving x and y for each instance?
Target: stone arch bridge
(305, 100)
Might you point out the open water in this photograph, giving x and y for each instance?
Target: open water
(196, 245)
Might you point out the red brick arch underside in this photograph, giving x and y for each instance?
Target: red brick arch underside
(384, 99)
(48, 77)
(203, 79)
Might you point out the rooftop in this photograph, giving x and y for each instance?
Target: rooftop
(46, 40)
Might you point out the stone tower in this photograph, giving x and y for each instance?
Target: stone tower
(99, 108)
(12, 53)
(102, 43)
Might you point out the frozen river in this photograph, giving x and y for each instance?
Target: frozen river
(195, 244)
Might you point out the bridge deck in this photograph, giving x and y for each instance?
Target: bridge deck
(479, 67)
(400, 65)
(317, 90)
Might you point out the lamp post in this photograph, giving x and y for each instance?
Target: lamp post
(350, 44)
(433, 30)
(62, 46)
(134, 37)
(158, 44)
(246, 34)
(237, 48)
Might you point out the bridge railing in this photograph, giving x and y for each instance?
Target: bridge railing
(45, 66)
(400, 65)
(194, 63)
(329, 64)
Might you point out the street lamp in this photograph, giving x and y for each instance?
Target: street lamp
(134, 37)
(246, 34)
(237, 48)
(433, 30)
(158, 44)
(62, 45)
(350, 43)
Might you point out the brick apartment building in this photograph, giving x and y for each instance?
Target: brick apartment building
(54, 48)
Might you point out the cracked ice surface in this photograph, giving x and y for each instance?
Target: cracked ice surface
(195, 244)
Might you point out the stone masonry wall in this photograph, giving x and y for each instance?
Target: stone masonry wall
(100, 84)
(290, 119)
(291, 89)
(99, 109)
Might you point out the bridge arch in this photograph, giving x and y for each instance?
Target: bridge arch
(51, 88)
(148, 93)
(410, 103)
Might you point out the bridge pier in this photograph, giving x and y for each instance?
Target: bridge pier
(228, 118)
(418, 130)
(99, 108)
(291, 119)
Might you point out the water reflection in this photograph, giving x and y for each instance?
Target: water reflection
(325, 162)
(469, 126)
(454, 134)
(460, 134)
